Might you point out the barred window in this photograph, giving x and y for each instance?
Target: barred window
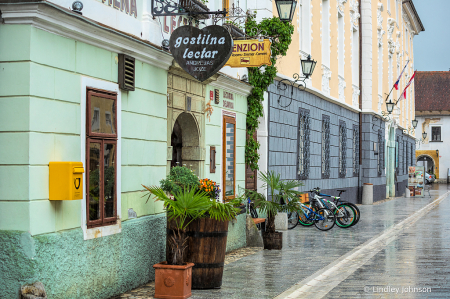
(355, 157)
(342, 149)
(435, 133)
(325, 146)
(380, 152)
(405, 156)
(303, 144)
(397, 156)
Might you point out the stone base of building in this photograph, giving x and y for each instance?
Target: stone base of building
(71, 267)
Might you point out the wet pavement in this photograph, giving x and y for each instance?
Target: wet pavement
(399, 249)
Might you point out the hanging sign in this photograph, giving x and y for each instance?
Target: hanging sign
(250, 53)
(201, 52)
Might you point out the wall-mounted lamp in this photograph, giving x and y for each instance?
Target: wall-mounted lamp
(390, 106)
(77, 6)
(424, 136)
(437, 152)
(414, 123)
(286, 9)
(165, 44)
(308, 66)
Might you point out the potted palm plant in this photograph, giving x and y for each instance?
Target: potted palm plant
(197, 229)
(283, 198)
(173, 278)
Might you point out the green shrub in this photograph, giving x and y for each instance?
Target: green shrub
(179, 178)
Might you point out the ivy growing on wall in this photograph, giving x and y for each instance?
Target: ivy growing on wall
(261, 77)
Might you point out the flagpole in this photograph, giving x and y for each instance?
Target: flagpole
(390, 92)
(407, 85)
(396, 82)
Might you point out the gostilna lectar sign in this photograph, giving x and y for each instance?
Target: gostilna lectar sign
(201, 52)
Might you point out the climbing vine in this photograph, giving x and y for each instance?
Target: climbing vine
(261, 77)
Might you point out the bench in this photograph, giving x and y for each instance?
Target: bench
(259, 220)
(260, 223)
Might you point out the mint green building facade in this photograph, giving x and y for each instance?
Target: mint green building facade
(49, 58)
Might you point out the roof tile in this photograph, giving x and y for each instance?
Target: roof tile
(432, 91)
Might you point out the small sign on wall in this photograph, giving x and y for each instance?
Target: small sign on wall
(228, 104)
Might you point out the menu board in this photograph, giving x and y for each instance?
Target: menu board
(416, 180)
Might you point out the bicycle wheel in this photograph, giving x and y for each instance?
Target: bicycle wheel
(303, 218)
(355, 207)
(292, 219)
(325, 219)
(345, 215)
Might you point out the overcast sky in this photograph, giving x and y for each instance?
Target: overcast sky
(432, 46)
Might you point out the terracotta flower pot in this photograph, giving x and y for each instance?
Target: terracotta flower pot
(173, 281)
(273, 240)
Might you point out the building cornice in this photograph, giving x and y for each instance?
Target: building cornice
(320, 94)
(55, 19)
(233, 85)
(408, 7)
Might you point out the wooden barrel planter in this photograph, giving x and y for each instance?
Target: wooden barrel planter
(207, 245)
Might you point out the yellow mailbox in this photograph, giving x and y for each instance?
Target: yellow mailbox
(66, 180)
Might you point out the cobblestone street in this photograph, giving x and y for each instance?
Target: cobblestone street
(397, 246)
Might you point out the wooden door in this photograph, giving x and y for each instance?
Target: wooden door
(250, 175)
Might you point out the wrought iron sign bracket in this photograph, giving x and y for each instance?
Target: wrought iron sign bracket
(282, 86)
(163, 8)
(384, 116)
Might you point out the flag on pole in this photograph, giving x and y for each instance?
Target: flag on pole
(407, 85)
(399, 77)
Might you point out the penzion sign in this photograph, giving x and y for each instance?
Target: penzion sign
(201, 52)
(250, 53)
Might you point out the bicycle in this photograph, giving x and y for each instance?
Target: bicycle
(337, 200)
(345, 213)
(324, 219)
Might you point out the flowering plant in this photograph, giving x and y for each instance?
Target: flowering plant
(210, 188)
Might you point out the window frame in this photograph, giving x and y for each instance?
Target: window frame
(102, 139)
(303, 143)
(103, 94)
(342, 167)
(355, 145)
(432, 134)
(325, 143)
(232, 120)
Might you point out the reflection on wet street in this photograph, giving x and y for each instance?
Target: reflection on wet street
(416, 257)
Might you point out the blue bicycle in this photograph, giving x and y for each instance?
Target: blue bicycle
(324, 219)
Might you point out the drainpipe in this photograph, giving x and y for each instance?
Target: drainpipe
(360, 103)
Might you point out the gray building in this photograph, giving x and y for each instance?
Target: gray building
(319, 142)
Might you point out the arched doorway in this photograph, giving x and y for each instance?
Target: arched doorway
(185, 141)
(427, 162)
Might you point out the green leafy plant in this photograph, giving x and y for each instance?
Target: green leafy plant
(279, 190)
(187, 206)
(260, 78)
(179, 178)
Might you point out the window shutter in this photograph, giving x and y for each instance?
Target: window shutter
(126, 72)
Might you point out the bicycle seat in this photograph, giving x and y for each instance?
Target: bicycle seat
(341, 190)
